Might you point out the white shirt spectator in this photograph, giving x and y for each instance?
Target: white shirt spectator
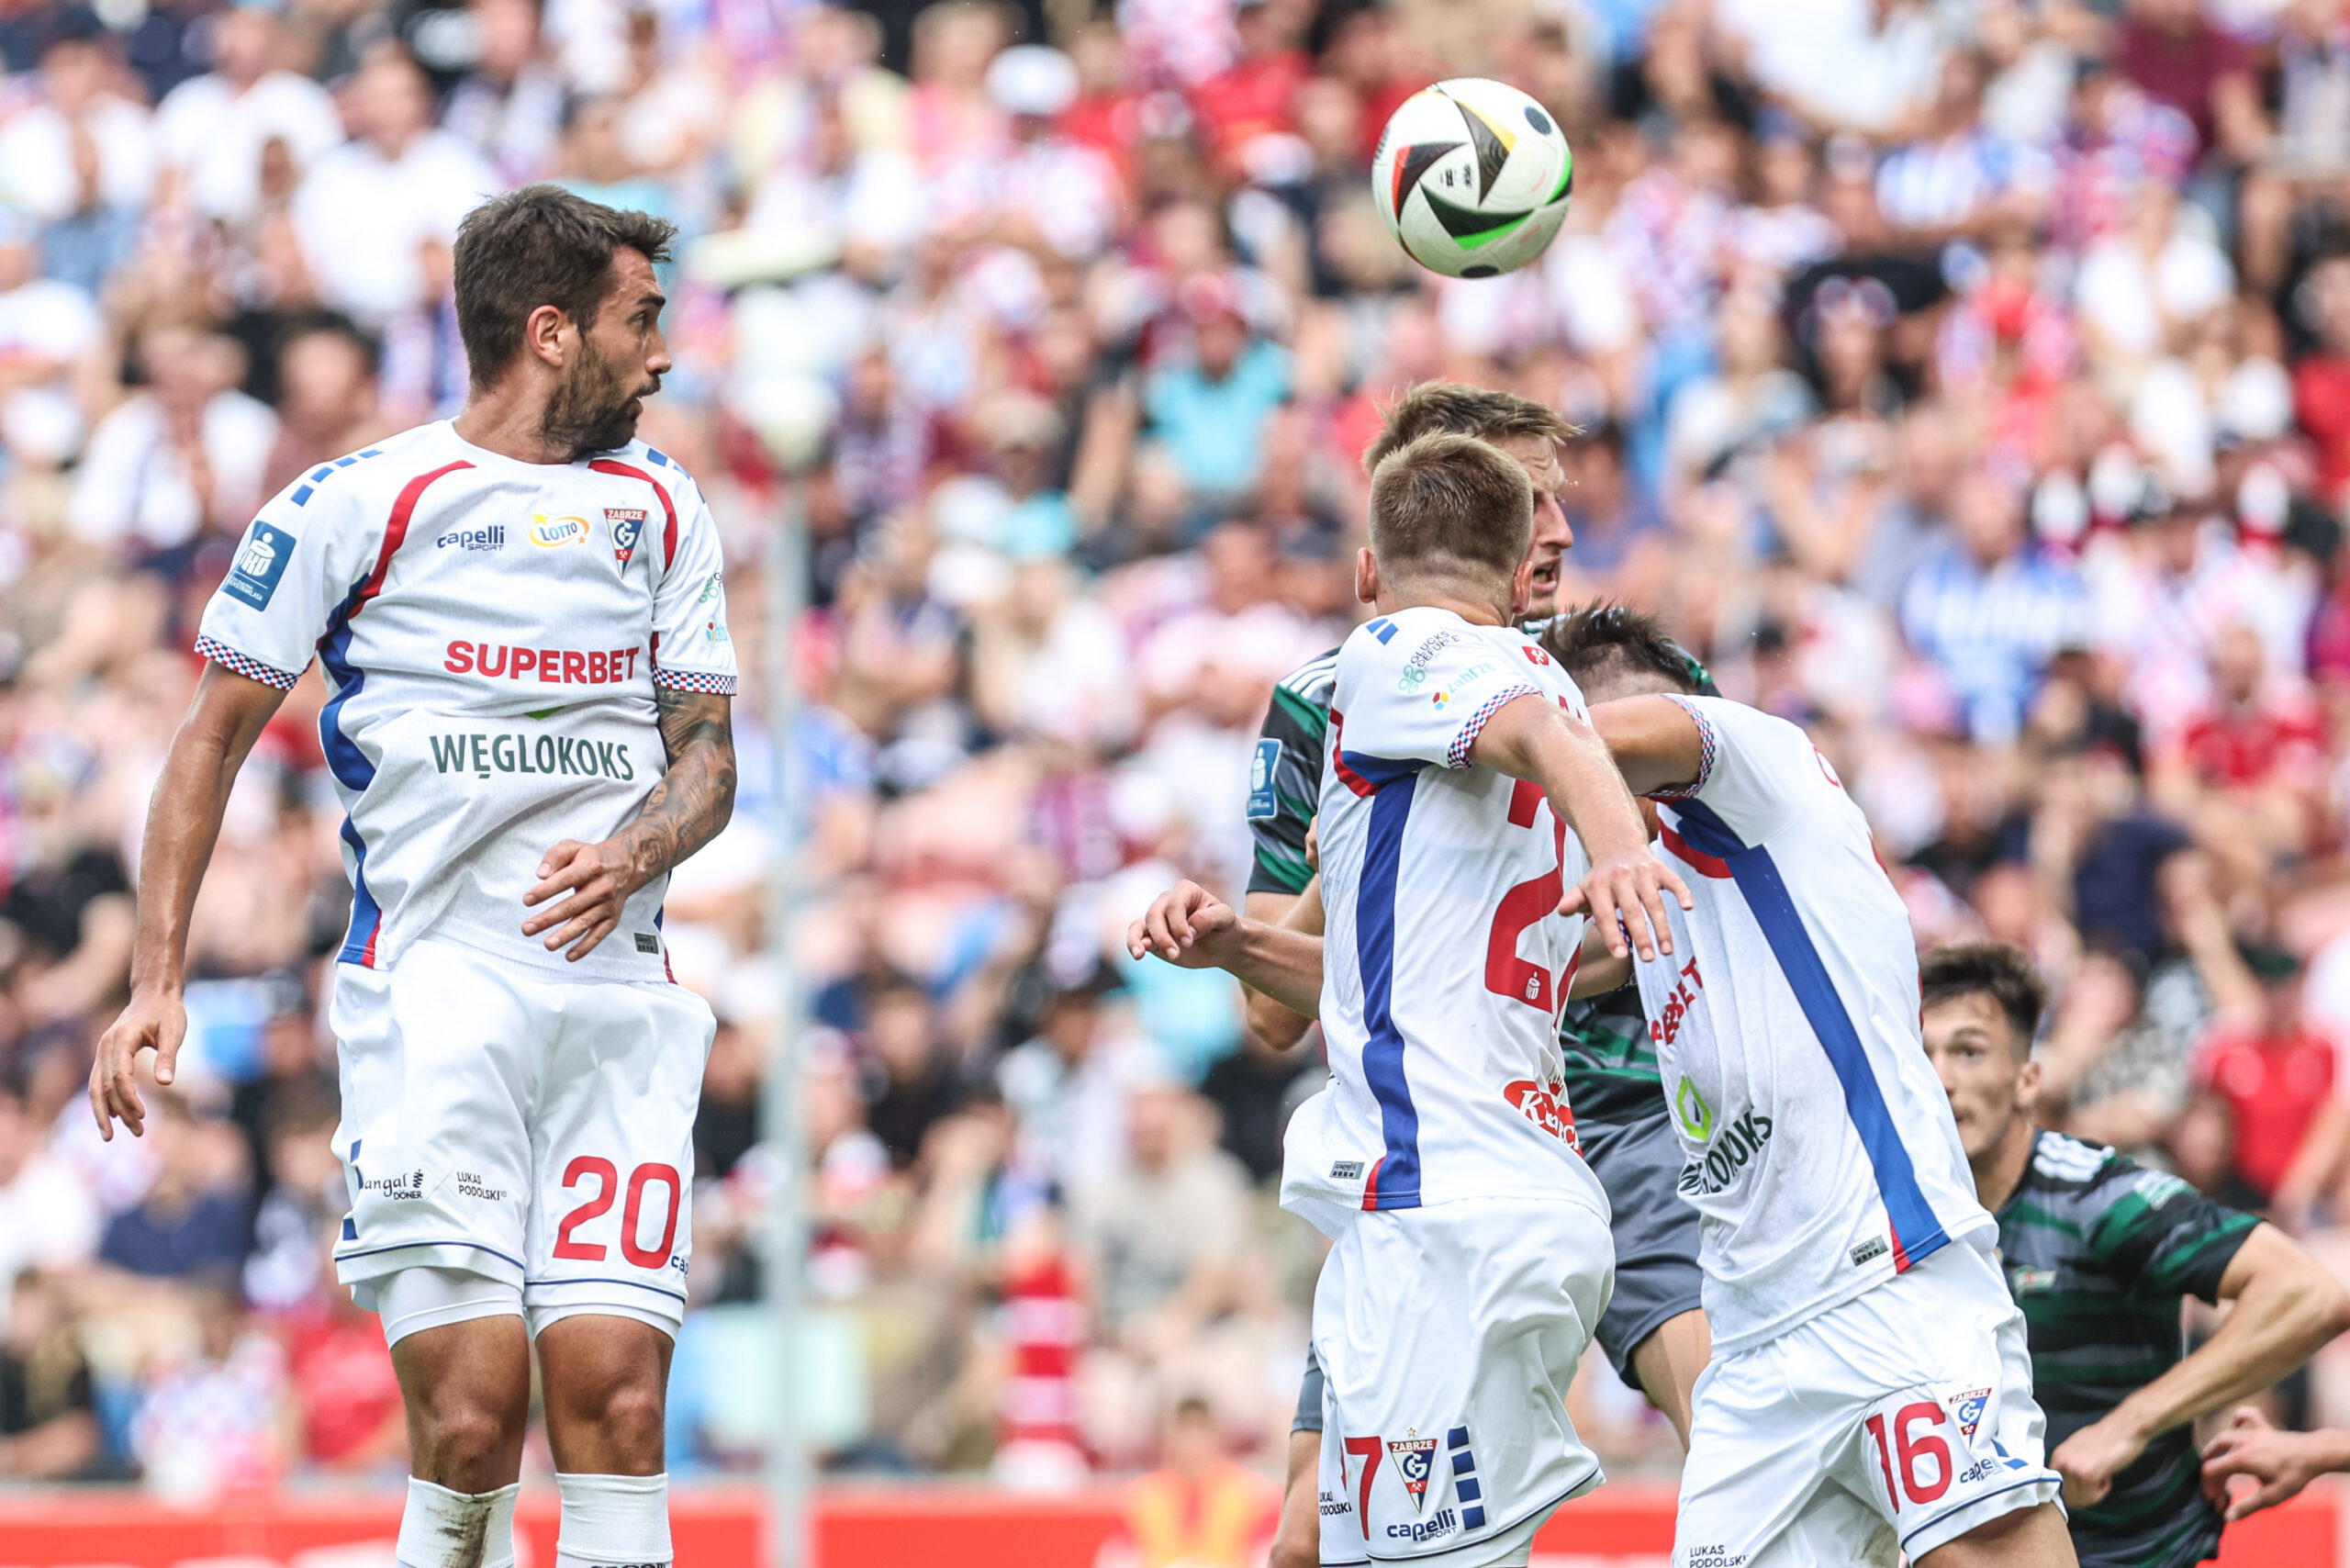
(2131, 304)
(37, 164)
(216, 133)
(134, 485)
(44, 320)
(48, 1218)
(363, 219)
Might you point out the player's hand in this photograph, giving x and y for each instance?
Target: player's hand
(2092, 1457)
(1183, 925)
(2283, 1462)
(599, 877)
(1625, 893)
(155, 1021)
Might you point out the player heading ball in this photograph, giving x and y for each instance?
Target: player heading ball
(519, 1070)
(1468, 819)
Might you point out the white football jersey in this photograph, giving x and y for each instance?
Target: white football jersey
(492, 633)
(1821, 1153)
(1445, 960)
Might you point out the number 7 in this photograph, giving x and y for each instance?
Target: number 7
(1366, 1449)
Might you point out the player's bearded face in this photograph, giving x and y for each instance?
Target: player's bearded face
(595, 407)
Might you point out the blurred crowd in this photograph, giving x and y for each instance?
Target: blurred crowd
(1968, 380)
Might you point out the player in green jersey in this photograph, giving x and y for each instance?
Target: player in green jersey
(2099, 1251)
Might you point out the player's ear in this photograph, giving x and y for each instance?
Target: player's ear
(542, 335)
(1521, 591)
(2028, 1083)
(1366, 577)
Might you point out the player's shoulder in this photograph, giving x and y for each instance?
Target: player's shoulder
(372, 477)
(1311, 681)
(652, 463)
(2062, 1163)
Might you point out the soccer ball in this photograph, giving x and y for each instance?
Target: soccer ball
(1472, 178)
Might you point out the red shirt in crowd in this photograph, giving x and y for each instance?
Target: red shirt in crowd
(2274, 1084)
(2322, 407)
(349, 1388)
(1250, 100)
(2251, 746)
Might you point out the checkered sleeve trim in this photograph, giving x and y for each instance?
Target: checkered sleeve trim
(1457, 754)
(252, 668)
(694, 680)
(1708, 745)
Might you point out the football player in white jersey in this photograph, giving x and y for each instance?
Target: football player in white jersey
(1470, 1258)
(1871, 1390)
(521, 617)
(1870, 1393)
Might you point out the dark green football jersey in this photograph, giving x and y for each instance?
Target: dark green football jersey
(1610, 1065)
(1609, 1061)
(1285, 776)
(2098, 1251)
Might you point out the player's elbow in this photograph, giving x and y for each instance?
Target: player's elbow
(2331, 1305)
(1274, 1026)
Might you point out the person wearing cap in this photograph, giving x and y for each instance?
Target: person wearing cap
(212, 129)
(1048, 188)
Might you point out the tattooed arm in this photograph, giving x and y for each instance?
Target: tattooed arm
(686, 809)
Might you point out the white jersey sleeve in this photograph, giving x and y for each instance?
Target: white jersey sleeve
(1757, 770)
(692, 649)
(311, 549)
(1422, 700)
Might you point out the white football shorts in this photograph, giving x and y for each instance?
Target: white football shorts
(1448, 1336)
(1896, 1421)
(535, 1131)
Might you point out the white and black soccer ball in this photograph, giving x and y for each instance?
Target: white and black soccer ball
(1473, 177)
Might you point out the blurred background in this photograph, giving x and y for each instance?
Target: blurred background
(1969, 381)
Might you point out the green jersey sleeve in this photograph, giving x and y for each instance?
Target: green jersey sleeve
(2157, 1235)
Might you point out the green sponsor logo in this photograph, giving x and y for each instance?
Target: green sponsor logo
(1696, 1117)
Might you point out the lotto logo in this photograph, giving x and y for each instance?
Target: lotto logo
(554, 533)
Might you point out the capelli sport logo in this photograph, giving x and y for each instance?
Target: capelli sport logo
(554, 533)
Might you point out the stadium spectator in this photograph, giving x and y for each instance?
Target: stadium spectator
(194, 1221)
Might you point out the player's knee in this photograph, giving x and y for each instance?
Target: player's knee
(465, 1444)
(1288, 1553)
(624, 1413)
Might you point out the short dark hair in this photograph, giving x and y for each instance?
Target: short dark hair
(1454, 408)
(540, 245)
(1451, 505)
(1996, 969)
(1600, 639)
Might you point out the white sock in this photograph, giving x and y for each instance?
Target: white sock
(441, 1529)
(613, 1521)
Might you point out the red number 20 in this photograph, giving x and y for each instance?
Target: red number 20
(1506, 974)
(607, 1179)
(1905, 1455)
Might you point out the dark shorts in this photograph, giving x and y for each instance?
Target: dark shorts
(1655, 1229)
